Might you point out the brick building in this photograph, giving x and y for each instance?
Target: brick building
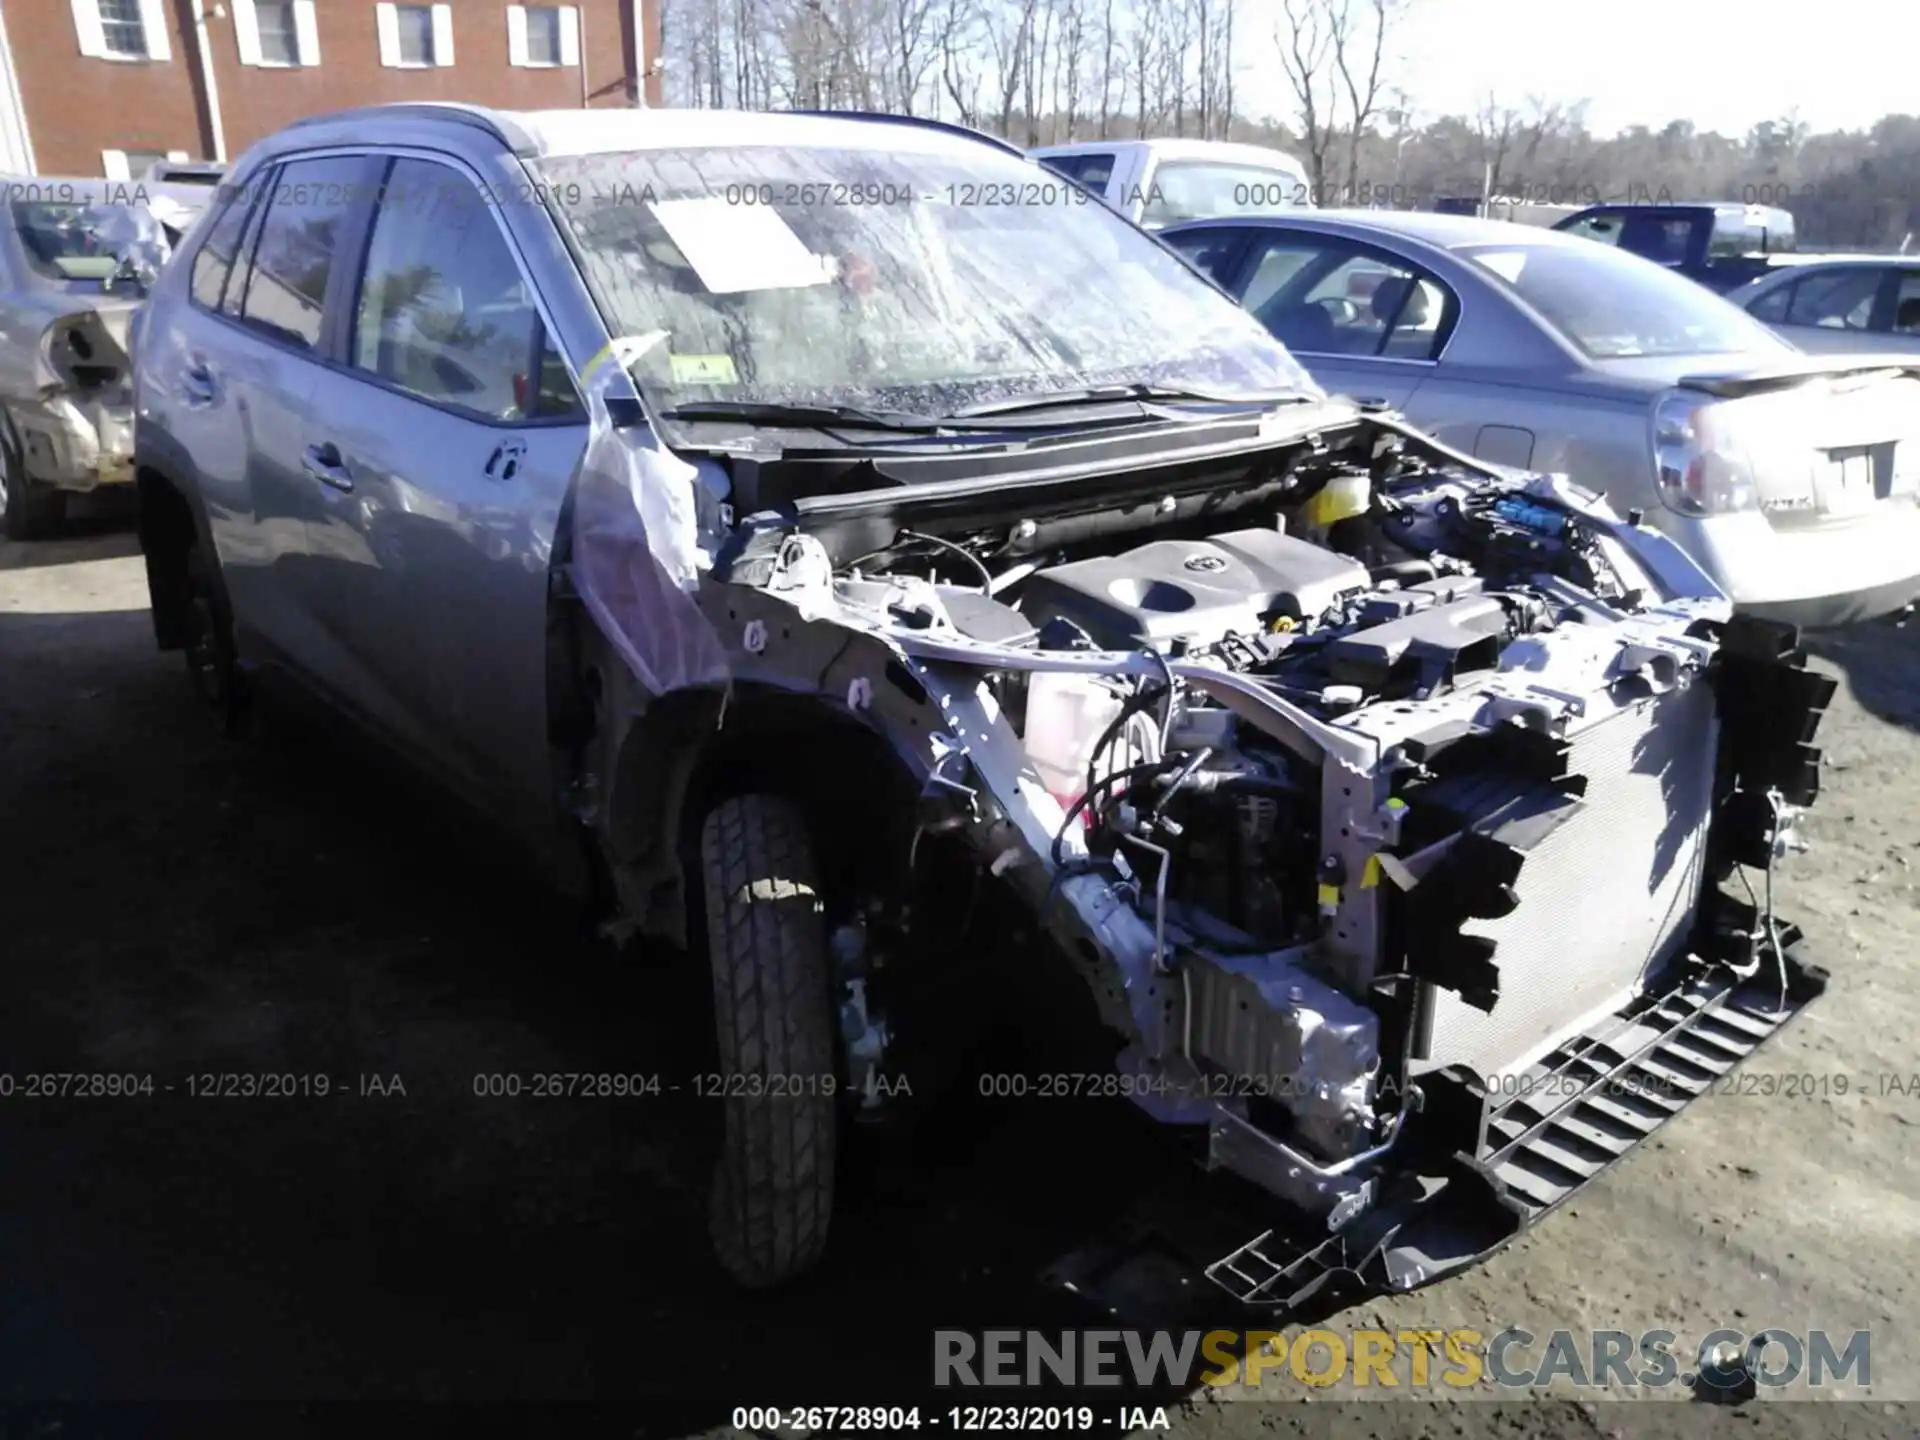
(105, 87)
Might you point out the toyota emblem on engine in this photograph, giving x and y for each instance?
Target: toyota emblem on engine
(1206, 562)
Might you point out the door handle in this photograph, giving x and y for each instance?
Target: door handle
(197, 383)
(324, 464)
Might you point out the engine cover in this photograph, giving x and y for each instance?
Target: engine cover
(1193, 590)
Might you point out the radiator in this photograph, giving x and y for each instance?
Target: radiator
(1606, 900)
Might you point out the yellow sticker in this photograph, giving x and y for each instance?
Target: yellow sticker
(1329, 894)
(703, 370)
(1370, 875)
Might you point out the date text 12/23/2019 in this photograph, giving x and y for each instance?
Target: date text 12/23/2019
(898, 1419)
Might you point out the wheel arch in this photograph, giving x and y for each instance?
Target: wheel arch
(170, 522)
(693, 749)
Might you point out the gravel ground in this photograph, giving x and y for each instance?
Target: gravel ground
(174, 905)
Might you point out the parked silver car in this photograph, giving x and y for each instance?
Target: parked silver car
(75, 257)
(1792, 481)
(1839, 304)
(902, 596)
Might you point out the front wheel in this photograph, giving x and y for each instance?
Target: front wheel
(766, 941)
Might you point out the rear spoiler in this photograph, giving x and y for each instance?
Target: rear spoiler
(1730, 385)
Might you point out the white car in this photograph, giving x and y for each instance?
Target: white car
(1164, 182)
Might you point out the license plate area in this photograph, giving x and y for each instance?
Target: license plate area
(1849, 479)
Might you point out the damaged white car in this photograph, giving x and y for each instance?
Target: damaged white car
(76, 256)
(847, 563)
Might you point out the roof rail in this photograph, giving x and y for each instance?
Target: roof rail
(478, 117)
(923, 121)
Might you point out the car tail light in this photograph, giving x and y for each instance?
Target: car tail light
(1701, 467)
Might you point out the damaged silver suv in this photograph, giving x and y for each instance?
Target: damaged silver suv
(847, 550)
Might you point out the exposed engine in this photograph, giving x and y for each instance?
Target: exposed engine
(1270, 770)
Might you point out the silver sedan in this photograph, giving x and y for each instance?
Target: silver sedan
(1839, 304)
(1792, 479)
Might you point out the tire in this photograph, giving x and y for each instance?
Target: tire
(28, 509)
(213, 669)
(772, 1193)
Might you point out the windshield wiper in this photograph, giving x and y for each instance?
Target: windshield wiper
(1094, 394)
(773, 412)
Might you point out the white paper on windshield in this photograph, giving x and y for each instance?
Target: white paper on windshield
(739, 247)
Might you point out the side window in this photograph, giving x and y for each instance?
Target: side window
(1906, 304)
(1278, 263)
(1210, 251)
(214, 260)
(1089, 172)
(1837, 300)
(1661, 239)
(293, 258)
(1772, 306)
(1603, 228)
(1335, 301)
(443, 311)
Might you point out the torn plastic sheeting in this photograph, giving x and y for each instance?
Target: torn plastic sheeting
(638, 555)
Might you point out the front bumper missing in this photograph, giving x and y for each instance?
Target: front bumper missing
(1472, 1173)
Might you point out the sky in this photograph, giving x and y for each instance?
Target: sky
(1723, 64)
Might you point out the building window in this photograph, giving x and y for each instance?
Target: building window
(122, 29)
(415, 36)
(543, 35)
(279, 36)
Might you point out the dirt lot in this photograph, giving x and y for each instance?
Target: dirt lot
(177, 905)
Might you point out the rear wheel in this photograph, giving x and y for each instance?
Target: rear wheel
(28, 509)
(212, 664)
(766, 941)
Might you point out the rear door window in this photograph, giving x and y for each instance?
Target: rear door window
(307, 208)
(1772, 306)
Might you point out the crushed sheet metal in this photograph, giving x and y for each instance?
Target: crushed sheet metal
(638, 538)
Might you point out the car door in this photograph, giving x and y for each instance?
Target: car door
(1367, 322)
(453, 431)
(241, 371)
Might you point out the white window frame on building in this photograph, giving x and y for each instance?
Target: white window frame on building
(93, 27)
(134, 164)
(563, 53)
(302, 30)
(387, 19)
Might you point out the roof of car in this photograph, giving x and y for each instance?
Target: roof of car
(1448, 232)
(1174, 148)
(592, 132)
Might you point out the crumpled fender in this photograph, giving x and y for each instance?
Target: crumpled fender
(638, 552)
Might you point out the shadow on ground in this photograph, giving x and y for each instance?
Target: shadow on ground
(1881, 663)
(183, 908)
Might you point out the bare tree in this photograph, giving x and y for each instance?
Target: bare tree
(1305, 39)
(1359, 30)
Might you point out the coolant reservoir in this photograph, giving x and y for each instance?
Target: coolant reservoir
(1341, 498)
(1066, 716)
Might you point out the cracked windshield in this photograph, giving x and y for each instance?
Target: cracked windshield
(893, 281)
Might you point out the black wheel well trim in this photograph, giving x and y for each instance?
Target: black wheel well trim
(170, 522)
(696, 747)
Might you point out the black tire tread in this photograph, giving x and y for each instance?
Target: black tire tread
(33, 510)
(773, 1187)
